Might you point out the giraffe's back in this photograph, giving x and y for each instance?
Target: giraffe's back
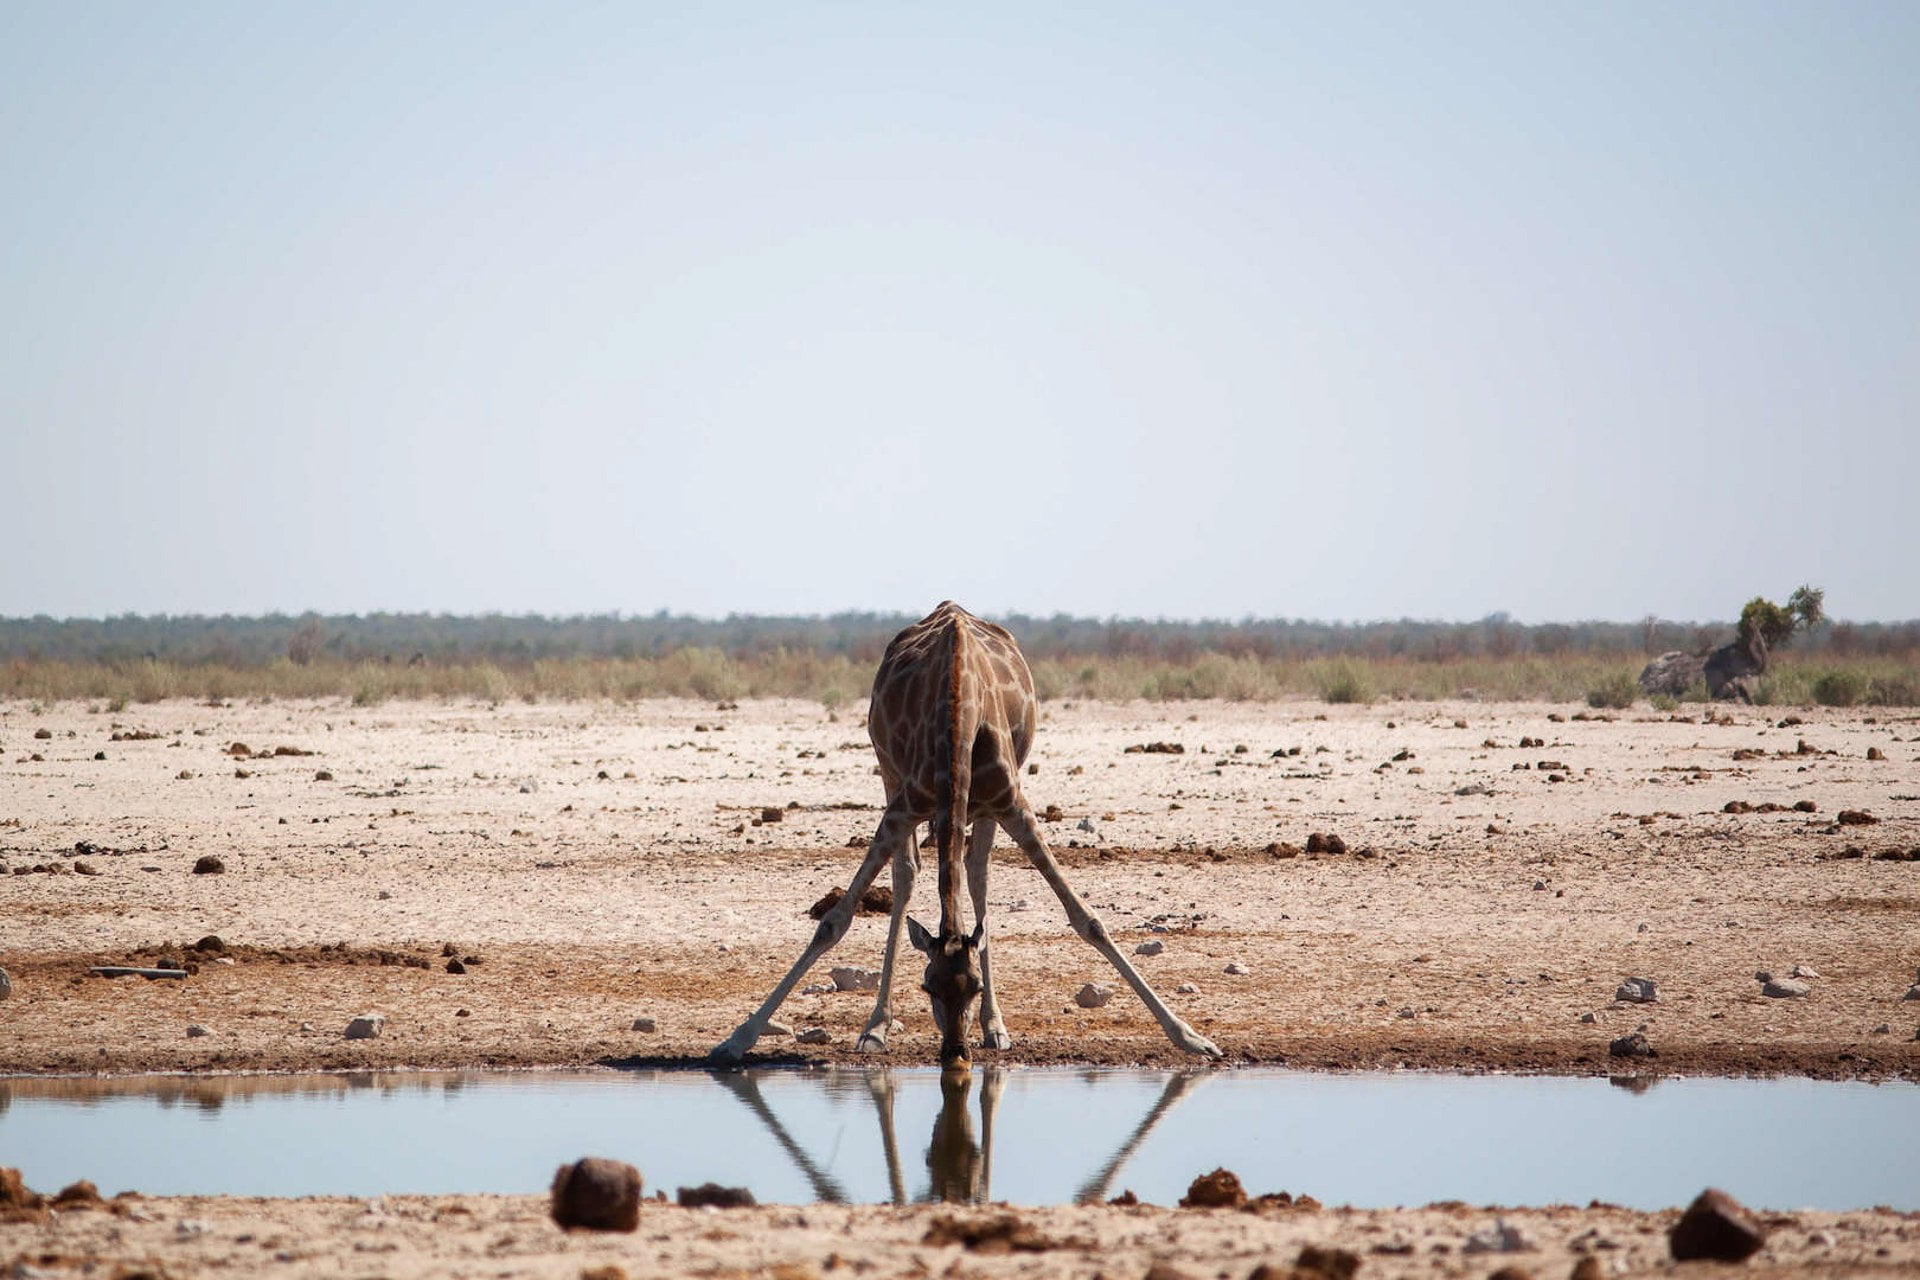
(910, 715)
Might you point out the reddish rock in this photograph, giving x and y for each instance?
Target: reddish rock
(1220, 1189)
(597, 1194)
(719, 1197)
(1717, 1227)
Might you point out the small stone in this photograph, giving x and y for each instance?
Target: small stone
(208, 865)
(775, 1027)
(597, 1194)
(1633, 1046)
(1875, 753)
(195, 1030)
(1884, 1029)
(1589, 1017)
(1637, 991)
(1151, 947)
(711, 1195)
(323, 775)
(367, 1026)
(646, 1026)
(814, 1035)
(1220, 1189)
(1188, 989)
(1784, 988)
(1913, 992)
(1236, 967)
(1716, 1227)
(1856, 818)
(771, 814)
(1085, 824)
(6, 985)
(454, 966)
(82, 867)
(1093, 995)
(853, 978)
(1804, 971)
(1502, 1237)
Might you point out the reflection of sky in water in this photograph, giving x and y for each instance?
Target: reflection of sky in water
(797, 1136)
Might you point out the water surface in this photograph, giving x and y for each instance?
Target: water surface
(1026, 1136)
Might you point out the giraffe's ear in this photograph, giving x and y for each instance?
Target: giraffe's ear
(918, 935)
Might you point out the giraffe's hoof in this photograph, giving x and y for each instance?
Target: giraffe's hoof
(731, 1050)
(1203, 1047)
(872, 1042)
(996, 1038)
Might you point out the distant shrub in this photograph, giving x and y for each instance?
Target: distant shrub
(1894, 691)
(1664, 702)
(1342, 681)
(1840, 689)
(1616, 690)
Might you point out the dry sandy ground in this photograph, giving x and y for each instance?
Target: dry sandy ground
(604, 863)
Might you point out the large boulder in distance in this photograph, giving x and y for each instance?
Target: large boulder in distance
(1733, 671)
(1672, 674)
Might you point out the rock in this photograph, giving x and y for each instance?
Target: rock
(1633, 1046)
(1093, 995)
(1732, 671)
(1236, 967)
(597, 1194)
(6, 985)
(1875, 753)
(208, 865)
(81, 1194)
(645, 1025)
(1913, 992)
(82, 867)
(1716, 1227)
(1188, 989)
(1314, 1263)
(1220, 1189)
(195, 1030)
(1474, 789)
(323, 775)
(1782, 988)
(814, 1035)
(1086, 824)
(713, 1195)
(14, 1194)
(1672, 674)
(1151, 947)
(1855, 818)
(1501, 1237)
(876, 901)
(853, 978)
(1805, 806)
(1804, 971)
(367, 1026)
(1637, 991)
(1589, 1017)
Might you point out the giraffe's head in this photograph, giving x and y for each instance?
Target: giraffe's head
(952, 984)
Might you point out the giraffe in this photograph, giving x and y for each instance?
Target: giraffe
(952, 719)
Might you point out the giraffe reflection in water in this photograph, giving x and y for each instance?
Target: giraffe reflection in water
(959, 1158)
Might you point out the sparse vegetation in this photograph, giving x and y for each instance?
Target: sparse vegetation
(1616, 691)
(127, 661)
(1840, 688)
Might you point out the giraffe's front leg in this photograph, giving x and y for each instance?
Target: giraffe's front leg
(895, 826)
(1020, 824)
(906, 859)
(993, 1032)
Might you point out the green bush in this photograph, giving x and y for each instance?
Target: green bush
(1616, 691)
(1342, 681)
(1840, 689)
(1664, 702)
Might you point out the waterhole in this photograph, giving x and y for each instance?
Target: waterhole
(1025, 1136)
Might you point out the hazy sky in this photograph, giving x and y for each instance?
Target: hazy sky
(1319, 310)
